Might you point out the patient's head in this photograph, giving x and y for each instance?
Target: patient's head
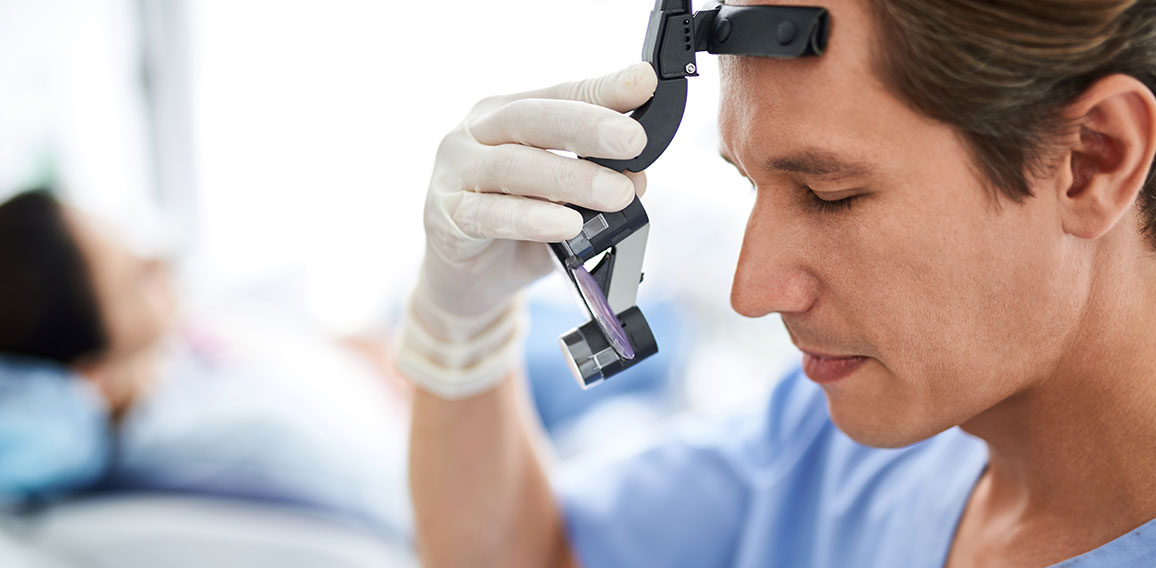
(73, 294)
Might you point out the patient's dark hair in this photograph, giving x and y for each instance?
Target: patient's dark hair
(48, 308)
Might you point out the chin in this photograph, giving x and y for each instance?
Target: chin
(878, 426)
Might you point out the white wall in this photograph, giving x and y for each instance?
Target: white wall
(70, 101)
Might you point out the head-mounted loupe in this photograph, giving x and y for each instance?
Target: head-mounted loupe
(618, 337)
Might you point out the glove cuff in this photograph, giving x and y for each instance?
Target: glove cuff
(457, 357)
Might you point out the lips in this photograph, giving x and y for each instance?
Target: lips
(828, 369)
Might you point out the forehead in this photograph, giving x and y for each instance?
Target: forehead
(103, 252)
(833, 103)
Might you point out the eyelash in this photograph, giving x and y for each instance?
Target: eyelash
(825, 206)
(821, 205)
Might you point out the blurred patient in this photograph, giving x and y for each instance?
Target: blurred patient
(74, 295)
(103, 387)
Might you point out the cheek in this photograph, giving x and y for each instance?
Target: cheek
(970, 306)
(136, 320)
(123, 322)
(961, 305)
(153, 309)
(162, 302)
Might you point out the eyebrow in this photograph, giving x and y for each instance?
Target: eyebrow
(812, 162)
(816, 163)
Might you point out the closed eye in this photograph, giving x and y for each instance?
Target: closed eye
(815, 202)
(821, 205)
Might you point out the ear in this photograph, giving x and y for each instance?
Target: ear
(1109, 158)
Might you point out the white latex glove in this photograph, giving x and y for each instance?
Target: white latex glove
(494, 199)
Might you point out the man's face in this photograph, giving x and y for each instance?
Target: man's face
(955, 302)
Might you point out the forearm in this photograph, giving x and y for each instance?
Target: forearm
(480, 490)
(496, 195)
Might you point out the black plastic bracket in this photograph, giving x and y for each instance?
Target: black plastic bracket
(674, 36)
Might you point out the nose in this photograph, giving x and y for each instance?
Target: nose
(772, 276)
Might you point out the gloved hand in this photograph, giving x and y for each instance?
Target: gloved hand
(494, 199)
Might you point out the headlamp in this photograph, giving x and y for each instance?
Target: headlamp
(617, 336)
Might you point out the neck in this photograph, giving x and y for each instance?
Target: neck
(122, 380)
(1075, 448)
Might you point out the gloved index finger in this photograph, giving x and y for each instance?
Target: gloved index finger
(622, 91)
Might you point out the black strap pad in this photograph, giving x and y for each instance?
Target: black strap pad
(763, 31)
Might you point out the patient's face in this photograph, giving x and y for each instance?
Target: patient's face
(954, 303)
(134, 294)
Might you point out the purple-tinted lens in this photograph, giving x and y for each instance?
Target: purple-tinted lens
(605, 317)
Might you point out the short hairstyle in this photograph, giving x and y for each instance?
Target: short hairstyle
(48, 307)
(1002, 72)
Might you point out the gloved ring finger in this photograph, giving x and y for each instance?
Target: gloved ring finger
(521, 170)
(582, 128)
(497, 216)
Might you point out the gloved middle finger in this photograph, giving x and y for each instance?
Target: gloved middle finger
(532, 172)
(585, 129)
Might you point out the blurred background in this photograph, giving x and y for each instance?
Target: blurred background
(277, 153)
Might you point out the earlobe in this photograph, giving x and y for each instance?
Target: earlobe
(1106, 167)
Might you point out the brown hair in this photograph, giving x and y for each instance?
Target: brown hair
(1002, 72)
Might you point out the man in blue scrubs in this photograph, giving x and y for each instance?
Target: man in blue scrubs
(956, 220)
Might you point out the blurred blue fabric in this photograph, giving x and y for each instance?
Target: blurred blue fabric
(314, 432)
(54, 431)
(267, 428)
(313, 438)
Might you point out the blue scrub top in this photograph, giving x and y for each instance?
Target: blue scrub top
(784, 487)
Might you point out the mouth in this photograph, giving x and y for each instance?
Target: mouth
(830, 368)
